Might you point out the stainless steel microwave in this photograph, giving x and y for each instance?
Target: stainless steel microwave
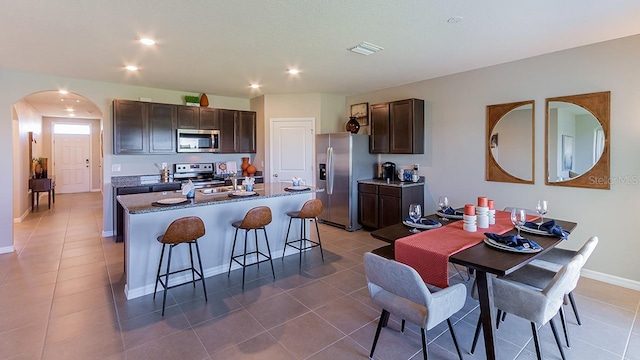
(190, 140)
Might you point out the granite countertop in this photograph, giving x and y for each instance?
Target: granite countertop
(143, 203)
(395, 183)
(142, 180)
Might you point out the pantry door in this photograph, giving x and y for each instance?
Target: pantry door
(292, 149)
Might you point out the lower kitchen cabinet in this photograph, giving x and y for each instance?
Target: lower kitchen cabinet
(382, 205)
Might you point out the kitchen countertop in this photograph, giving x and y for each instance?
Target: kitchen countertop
(143, 180)
(142, 203)
(395, 183)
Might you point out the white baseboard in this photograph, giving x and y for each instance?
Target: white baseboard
(108, 233)
(22, 217)
(6, 249)
(611, 279)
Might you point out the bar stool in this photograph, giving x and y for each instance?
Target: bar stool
(256, 218)
(310, 210)
(184, 230)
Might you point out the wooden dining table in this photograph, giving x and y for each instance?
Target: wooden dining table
(484, 260)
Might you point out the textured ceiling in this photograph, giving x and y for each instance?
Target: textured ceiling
(219, 47)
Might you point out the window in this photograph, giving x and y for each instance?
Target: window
(72, 129)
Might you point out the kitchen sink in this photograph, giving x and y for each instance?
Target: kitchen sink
(219, 189)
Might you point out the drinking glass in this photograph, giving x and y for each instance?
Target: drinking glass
(415, 213)
(541, 208)
(518, 218)
(443, 203)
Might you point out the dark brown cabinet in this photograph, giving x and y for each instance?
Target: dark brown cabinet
(193, 117)
(150, 128)
(143, 128)
(397, 127)
(385, 205)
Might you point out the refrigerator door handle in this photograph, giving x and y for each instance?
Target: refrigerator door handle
(329, 170)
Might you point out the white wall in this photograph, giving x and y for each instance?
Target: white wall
(27, 120)
(454, 159)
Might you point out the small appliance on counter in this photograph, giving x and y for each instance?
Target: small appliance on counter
(389, 171)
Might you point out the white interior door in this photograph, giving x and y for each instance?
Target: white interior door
(292, 149)
(72, 163)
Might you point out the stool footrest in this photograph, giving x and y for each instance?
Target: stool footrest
(258, 254)
(300, 247)
(164, 286)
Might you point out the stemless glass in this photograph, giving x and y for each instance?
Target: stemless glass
(518, 218)
(541, 208)
(443, 203)
(415, 213)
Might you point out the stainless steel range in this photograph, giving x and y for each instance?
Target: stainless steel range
(201, 174)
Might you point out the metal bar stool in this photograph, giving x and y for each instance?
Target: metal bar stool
(256, 218)
(310, 210)
(185, 230)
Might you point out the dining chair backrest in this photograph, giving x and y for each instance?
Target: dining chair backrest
(396, 278)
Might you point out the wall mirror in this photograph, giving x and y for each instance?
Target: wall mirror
(577, 141)
(509, 149)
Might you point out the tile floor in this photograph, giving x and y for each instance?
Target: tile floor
(61, 297)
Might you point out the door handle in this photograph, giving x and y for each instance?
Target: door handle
(275, 175)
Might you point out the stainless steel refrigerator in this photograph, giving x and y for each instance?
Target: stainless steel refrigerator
(343, 159)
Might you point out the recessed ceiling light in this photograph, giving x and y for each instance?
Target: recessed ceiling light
(455, 20)
(69, 109)
(63, 92)
(365, 48)
(72, 115)
(255, 86)
(293, 71)
(147, 41)
(131, 68)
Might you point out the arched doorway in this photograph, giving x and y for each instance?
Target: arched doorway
(35, 117)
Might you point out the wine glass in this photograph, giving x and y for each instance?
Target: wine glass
(443, 203)
(518, 218)
(541, 208)
(415, 213)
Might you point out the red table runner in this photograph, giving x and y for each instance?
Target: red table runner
(428, 251)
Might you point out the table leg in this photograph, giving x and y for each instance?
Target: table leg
(33, 199)
(485, 291)
(37, 198)
(49, 198)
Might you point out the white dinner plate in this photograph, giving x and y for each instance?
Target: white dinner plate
(297, 188)
(449, 216)
(535, 231)
(421, 226)
(504, 247)
(242, 193)
(171, 201)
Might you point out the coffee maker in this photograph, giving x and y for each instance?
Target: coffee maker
(388, 171)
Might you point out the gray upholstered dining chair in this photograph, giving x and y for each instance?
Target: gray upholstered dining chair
(539, 306)
(398, 288)
(555, 258)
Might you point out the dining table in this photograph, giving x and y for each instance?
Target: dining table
(485, 261)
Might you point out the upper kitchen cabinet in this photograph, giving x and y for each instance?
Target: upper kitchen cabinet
(143, 128)
(193, 117)
(226, 120)
(397, 127)
(246, 132)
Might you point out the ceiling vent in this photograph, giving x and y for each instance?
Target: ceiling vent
(365, 48)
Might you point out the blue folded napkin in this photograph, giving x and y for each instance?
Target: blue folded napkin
(513, 241)
(550, 227)
(423, 221)
(451, 211)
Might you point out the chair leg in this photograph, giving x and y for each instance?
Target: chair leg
(204, 287)
(460, 274)
(575, 308)
(193, 269)
(384, 317)
(402, 326)
(303, 232)
(166, 280)
(286, 239)
(498, 319)
(158, 274)
(536, 340)
(244, 257)
(476, 336)
(266, 240)
(255, 237)
(563, 320)
(425, 352)
(233, 250)
(455, 341)
(555, 335)
(319, 242)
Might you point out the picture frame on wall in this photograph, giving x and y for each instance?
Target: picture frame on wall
(361, 113)
(567, 152)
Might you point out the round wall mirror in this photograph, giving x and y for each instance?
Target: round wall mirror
(509, 151)
(577, 146)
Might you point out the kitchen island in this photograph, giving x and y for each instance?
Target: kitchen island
(145, 219)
